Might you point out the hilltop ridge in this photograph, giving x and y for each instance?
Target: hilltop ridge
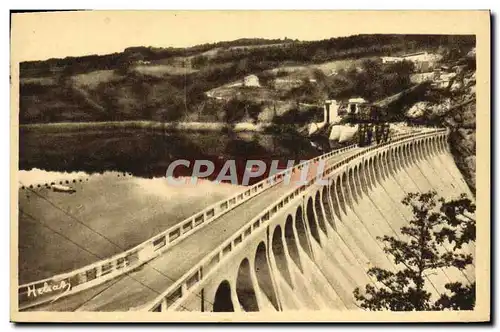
(171, 84)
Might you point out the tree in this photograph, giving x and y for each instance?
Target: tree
(435, 223)
(234, 111)
(199, 61)
(371, 80)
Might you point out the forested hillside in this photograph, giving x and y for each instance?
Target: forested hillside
(171, 84)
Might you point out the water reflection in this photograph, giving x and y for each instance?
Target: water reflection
(146, 153)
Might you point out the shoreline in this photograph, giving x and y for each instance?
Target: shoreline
(149, 125)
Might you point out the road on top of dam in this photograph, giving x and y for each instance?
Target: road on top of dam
(144, 284)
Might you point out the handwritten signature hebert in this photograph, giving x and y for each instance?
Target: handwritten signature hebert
(63, 286)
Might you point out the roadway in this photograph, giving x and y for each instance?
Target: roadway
(144, 284)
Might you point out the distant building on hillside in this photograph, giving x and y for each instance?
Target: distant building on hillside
(391, 59)
(423, 61)
(334, 110)
(424, 77)
(443, 80)
(331, 111)
(251, 80)
(352, 106)
(416, 57)
(286, 84)
(413, 57)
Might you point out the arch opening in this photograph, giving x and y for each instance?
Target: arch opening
(366, 175)
(394, 161)
(223, 301)
(397, 158)
(319, 212)
(401, 157)
(278, 248)
(404, 156)
(326, 205)
(390, 166)
(244, 287)
(413, 151)
(427, 150)
(439, 146)
(387, 158)
(383, 166)
(377, 166)
(387, 164)
(300, 227)
(433, 147)
(291, 242)
(364, 184)
(372, 171)
(411, 157)
(263, 273)
(340, 195)
(418, 155)
(357, 181)
(346, 191)
(312, 221)
(409, 153)
(335, 202)
(445, 143)
(422, 150)
(352, 186)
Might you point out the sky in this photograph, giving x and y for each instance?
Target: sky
(55, 35)
(40, 36)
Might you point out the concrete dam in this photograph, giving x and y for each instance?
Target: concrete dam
(316, 252)
(284, 247)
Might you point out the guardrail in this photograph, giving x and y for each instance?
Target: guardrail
(61, 285)
(174, 294)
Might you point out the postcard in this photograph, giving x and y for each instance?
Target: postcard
(238, 166)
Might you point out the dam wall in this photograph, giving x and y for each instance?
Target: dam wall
(317, 244)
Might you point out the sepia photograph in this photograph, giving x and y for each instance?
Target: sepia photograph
(250, 166)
